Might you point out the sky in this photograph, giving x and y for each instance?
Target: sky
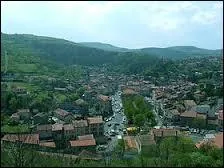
(129, 24)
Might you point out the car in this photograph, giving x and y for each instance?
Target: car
(117, 124)
(107, 120)
(109, 124)
(109, 138)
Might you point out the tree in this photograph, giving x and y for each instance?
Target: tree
(139, 120)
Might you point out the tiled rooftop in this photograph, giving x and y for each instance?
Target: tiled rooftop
(95, 120)
(25, 138)
(86, 142)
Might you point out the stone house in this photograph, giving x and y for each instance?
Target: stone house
(40, 118)
(80, 127)
(63, 115)
(96, 125)
(44, 131)
(86, 142)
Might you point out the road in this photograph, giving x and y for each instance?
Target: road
(118, 115)
(155, 109)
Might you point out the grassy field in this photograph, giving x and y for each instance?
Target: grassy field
(28, 86)
(15, 129)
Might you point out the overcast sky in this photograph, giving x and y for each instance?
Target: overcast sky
(132, 24)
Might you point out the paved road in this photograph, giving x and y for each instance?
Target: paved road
(116, 118)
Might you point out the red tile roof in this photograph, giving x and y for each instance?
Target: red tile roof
(95, 120)
(104, 98)
(25, 138)
(218, 141)
(61, 112)
(86, 142)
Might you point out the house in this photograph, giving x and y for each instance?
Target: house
(48, 146)
(132, 148)
(129, 91)
(44, 131)
(27, 139)
(216, 140)
(69, 131)
(57, 131)
(84, 137)
(20, 90)
(189, 104)
(187, 117)
(145, 142)
(63, 115)
(85, 144)
(40, 118)
(164, 132)
(173, 115)
(81, 127)
(24, 114)
(15, 117)
(104, 103)
(96, 125)
(204, 109)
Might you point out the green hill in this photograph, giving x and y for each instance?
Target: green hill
(103, 46)
(29, 53)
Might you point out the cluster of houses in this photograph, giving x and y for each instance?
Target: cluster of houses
(142, 143)
(77, 136)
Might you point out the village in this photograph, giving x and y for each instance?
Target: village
(96, 120)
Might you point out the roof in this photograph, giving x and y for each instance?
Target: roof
(80, 102)
(85, 137)
(68, 127)
(48, 144)
(190, 114)
(80, 123)
(25, 138)
(95, 120)
(85, 142)
(130, 142)
(104, 98)
(189, 103)
(23, 110)
(165, 132)
(147, 139)
(218, 141)
(202, 109)
(44, 127)
(129, 91)
(61, 112)
(57, 127)
(175, 112)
